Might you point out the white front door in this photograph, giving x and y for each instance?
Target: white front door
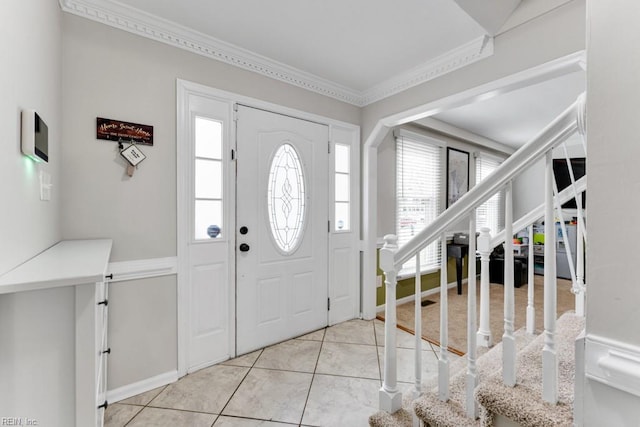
(281, 227)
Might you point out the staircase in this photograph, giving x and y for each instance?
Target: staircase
(526, 380)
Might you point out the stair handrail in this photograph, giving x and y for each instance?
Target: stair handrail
(551, 136)
(392, 258)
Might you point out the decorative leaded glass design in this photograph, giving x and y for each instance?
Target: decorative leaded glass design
(286, 198)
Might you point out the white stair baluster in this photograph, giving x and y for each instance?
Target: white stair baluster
(549, 356)
(390, 397)
(443, 362)
(576, 195)
(567, 245)
(508, 339)
(484, 249)
(418, 337)
(418, 329)
(472, 374)
(531, 310)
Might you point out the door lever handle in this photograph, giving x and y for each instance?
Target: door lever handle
(244, 247)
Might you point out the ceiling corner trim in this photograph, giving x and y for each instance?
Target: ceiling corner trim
(137, 22)
(477, 49)
(117, 15)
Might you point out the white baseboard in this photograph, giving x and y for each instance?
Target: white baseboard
(135, 389)
(408, 298)
(142, 268)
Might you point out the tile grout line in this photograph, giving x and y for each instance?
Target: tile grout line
(240, 383)
(145, 406)
(313, 376)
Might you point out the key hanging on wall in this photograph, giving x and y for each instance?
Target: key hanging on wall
(133, 155)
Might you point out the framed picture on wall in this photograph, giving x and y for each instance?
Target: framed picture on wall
(457, 174)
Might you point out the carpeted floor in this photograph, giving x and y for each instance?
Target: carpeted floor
(458, 312)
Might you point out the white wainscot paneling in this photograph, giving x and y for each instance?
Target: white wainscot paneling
(613, 363)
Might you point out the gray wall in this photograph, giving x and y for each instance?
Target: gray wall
(37, 334)
(29, 78)
(613, 61)
(142, 330)
(113, 74)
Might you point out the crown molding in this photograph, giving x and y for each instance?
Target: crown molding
(135, 21)
(462, 56)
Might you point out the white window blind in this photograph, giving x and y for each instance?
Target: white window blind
(418, 190)
(490, 213)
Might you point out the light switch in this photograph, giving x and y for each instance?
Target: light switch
(45, 186)
(378, 281)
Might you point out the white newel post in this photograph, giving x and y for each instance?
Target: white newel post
(472, 373)
(531, 310)
(390, 397)
(549, 356)
(484, 249)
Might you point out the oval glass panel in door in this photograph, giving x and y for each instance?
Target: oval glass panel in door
(286, 198)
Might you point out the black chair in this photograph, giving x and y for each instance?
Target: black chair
(496, 268)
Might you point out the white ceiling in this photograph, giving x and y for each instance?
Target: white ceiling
(357, 51)
(516, 117)
(356, 43)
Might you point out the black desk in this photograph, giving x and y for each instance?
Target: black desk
(458, 251)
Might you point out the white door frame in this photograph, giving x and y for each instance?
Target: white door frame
(571, 63)
(342, 132)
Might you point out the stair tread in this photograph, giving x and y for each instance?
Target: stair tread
(523, 403)
(453, 413)
(527, 408)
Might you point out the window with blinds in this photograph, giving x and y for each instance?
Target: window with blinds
(490, 213)
(418, 193)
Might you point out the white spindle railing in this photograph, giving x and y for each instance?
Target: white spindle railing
(472, 374)
(392, 257)
(418, 336)
(549, 357)
(531, 309)
(484, 249)
(443, 362)
(508, 339)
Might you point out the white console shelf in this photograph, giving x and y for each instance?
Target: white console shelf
(68, 263)
(82, 264)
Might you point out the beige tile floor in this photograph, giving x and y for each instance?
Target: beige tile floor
(330, 377)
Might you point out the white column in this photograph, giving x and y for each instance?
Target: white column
(580, 294)
(472, 374)
(484, 249)
(443, 363)
(549, 357)
(508, 339)
(390, 397)
(531, 310)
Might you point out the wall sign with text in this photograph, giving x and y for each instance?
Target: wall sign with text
(116, 130)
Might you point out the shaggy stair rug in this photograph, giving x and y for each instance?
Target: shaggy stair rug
(523, 403)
